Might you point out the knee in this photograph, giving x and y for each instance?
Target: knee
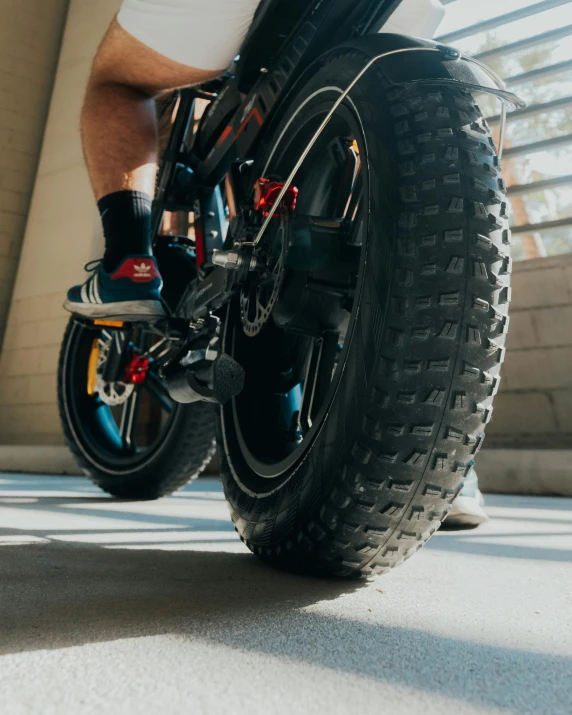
(105, 78)
(112, 67)
(118, 64)
(124, 62)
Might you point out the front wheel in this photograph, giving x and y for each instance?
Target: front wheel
(127, 434)
(345, 450)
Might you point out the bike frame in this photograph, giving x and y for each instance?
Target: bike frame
(283, 42)
(237, 120)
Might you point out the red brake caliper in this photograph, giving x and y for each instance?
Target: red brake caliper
(266, 192)
(136, 370)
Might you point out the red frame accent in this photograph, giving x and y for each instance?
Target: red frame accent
(199, 243)
(254, 113)
(224, 135)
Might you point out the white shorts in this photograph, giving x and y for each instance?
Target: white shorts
(204, 34)
(207, 34)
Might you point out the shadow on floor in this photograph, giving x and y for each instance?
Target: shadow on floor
(55, 596)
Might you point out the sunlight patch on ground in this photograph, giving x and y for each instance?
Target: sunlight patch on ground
(20, 539)
(19, 500)
(192, 494)
(561, 541)
(134, 537)
(228, 547)
(58, 520)
(547, 515)
(165, 508)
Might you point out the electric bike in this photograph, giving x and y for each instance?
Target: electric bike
(336, 286)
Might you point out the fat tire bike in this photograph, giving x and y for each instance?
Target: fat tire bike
(336, 295)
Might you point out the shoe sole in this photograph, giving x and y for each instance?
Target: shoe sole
(466, 511)
(128, 310)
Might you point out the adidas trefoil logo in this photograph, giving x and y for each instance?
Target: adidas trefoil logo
(142, 270)
(138, 270)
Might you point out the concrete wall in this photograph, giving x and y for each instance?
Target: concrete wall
(30, 38)
(534, 406)
(61, 236)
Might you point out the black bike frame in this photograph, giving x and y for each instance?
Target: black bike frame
(323, 25)
(284, 39)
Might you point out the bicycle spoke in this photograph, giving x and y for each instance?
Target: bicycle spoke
(129, 416)
(325, 370)
(318, 378)
(344, 179)
(308, 391)
(353, 212)
(157, 390)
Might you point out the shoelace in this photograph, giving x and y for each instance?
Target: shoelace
(92, 266)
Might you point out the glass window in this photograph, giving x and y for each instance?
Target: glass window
(526, 161)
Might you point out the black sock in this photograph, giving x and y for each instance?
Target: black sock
(126, 219)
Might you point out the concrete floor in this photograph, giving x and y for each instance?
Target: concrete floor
(109, 607)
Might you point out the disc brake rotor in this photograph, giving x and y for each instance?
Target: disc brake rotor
(111, 393)
(260, 293)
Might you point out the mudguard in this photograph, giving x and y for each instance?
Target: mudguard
(409, 60)
(433, 64)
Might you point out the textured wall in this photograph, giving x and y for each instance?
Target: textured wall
(534, 406)
(30, 37)
(60, 237)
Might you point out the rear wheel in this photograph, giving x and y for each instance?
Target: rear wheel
(350, 440)
(130, 438)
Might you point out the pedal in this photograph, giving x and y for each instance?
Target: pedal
(228, 379)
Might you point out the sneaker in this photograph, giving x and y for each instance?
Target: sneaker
(131, 291)
(467, 510)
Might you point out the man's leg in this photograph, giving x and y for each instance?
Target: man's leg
(151, 48)
(119, 131)
(119, 127)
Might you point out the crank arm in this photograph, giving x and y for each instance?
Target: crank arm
(207, 295)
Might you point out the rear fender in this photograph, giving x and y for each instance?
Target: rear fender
(412, 60)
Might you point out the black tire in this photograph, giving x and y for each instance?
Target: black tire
(423, 364)
(180, 454)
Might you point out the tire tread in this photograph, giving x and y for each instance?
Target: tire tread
(440, 350)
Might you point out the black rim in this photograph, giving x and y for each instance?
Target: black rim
(291, 379)
(124, 436)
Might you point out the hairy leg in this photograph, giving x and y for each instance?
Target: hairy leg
(119, 128)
